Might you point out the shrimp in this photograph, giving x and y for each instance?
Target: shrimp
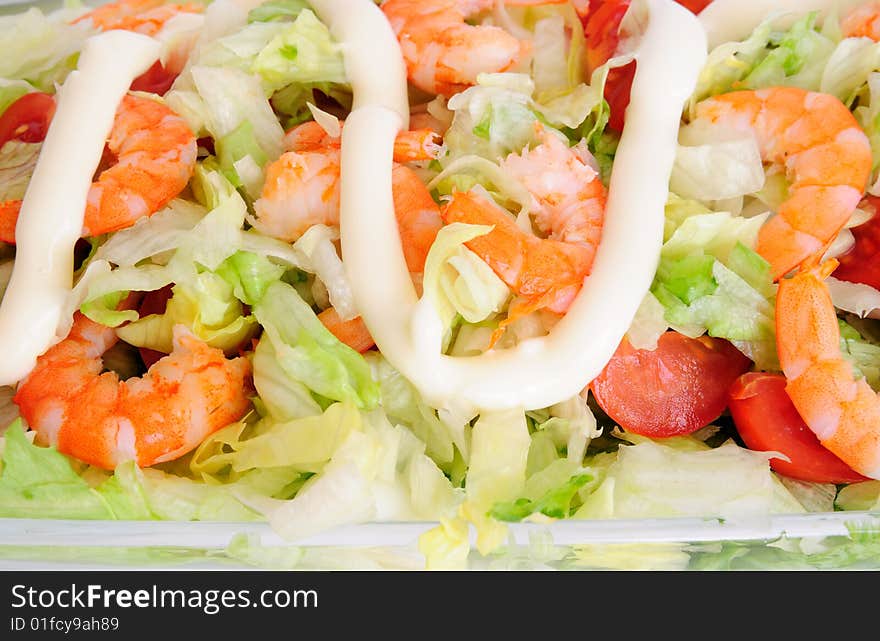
(862, 22)
(96, 418)
(443, 53)
(843, 412)
(826, 156)
(142, 16)
(569, 207)
(302, 189)
(155, 152)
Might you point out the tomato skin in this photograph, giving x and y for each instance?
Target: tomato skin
(862, 263)
(602, 31)
(768, 421)
(673, 390)
(156, 80)
(27, 119)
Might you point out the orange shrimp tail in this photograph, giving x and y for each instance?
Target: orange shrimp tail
(8, 219)
(416, 145)
(353, 333)
(843, 412)
(418, 217)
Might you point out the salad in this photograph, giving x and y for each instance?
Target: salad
(474, 263)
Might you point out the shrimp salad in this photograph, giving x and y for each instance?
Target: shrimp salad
(470, 262)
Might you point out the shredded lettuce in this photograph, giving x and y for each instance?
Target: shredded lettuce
(768, 58)
(710, 280)
(651, 479)
(458, 282)
(17, 162)
(861, 353)
(39, 48)
(309, 353)
(379, 471)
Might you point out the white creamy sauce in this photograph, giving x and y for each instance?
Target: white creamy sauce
(51, 217)
(734, 20)
(542, 371)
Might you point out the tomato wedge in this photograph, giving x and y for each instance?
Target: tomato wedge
(27, 119)
(768, 421)
(157, 79)
(673, 390)
(861, 264)
(602, 31)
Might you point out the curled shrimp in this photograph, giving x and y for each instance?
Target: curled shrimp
(862, 22)
(302, 189)
(142, 16)
(155, 154)
(96, 418)
(569, 206)
(843, 412)
(443, 53)
(816, 140)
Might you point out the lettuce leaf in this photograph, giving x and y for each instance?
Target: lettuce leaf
(309, 353)
(767, 58)
(39, 48)
(651, 480)
(17, 162)
(458, 282)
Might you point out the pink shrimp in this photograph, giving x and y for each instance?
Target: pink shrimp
(443, 53)
(827, 157)
(843, 412)
(569, 208)
(302, 189)
(142, 16)
(96, 418)
(862, 22)
(155, 156)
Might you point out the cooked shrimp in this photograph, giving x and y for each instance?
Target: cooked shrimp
(155, 152)
(101, 420)
(826, 156)
(842, 411)
(142, 16)
(443, 53)
(302, 190)
(569, 207)
(862, 22)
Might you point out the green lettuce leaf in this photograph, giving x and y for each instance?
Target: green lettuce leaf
(39, 482)
(555, 503)
(458, 282)
(309, 353)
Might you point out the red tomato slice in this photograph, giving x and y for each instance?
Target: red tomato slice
(602, 31)
(862, 263)
(768, 421)
(27, 119)
(153, 303)
(156, 80)
(675, 389)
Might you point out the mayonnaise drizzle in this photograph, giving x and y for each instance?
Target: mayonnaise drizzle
(538, 372)
(733, 20)
(51, 217)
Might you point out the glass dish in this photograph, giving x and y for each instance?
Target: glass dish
(827, 541)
